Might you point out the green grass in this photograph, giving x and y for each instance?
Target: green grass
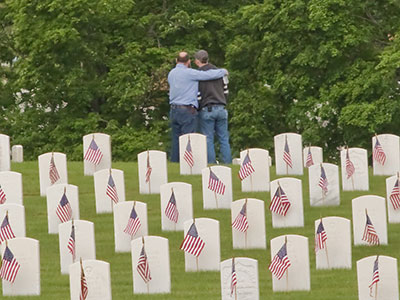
(325, 284)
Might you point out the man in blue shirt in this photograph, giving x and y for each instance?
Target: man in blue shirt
(183, 90)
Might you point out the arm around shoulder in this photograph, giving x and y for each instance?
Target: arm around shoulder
(207, 75)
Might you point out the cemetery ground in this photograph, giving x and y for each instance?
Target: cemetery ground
(325, 284)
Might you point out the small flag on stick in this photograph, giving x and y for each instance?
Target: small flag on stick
(192, 243)
(143, 266)
(370, 235)
(246, 168)
(378, 154)
(188, 155)
(93, 153)
(64, 210)
(53, 172)
(9, 266)
(215, 184)
(280, 263)
(6, 232)
(111, 190)
(240, 223)
(287, 158)
(320, 237)
(309, 159)
(133, 223)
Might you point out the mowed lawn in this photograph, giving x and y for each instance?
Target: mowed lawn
(325, 284)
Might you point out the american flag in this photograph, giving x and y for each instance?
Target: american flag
(93, 153)
(143, 266)
(309, 160)
(323, 181)
(111, 190)
(395, 195)
(280, 263)
(9, 266)
(287, 158)
(53, 173)
(375, 276)
(2, 196)
(370, 235)
(233, 278)
(280, 203)
(192, 243)
(215, 184)
(320, 237)
(240, 222)
(148, 168)
(171, 211)
(188, 155)
(64, 210)
(6, 232)
(378, 154)
(84, 287)
(246, 168)
(71, 243)
(133, 223)
(349, 165)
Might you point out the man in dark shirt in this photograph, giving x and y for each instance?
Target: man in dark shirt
(213, 116)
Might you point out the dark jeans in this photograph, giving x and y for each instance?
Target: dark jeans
(183, 120)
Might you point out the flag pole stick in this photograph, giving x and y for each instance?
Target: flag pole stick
(148, 163)
(376, 291)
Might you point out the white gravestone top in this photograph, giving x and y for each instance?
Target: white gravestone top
(210, 257)
(97, 277)
(384, 267)
(369, 220)
(109, 187)
(288, 154)
(52, 170)
(156, 255)
(192, 153)
(254, 170)
(324, 185)
(335, 253)
(17, 153)
(27, 278)
(11, 188)
(312, 155)
(297, 275)
(217, 187)
(246, 272)
(96, 152)
(354, 165)
(385, 154)
(4, 153)
(152, 168)
(286, 204)
(62, 205)
(176, 205)
(130, 222)
(76, 242)
(250, 211)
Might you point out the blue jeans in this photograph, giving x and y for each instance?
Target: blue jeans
(183, 120)
(216, 122)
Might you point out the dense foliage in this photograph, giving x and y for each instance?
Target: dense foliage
(327, 69)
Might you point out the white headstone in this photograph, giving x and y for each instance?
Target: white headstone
(54, 195)
(210, 256)
(389, 145)
(152, 168)
(4, 153)
(157, 251)
(182, 193)
(324, 192)
(374, 206)
(98, 279)
(217, 187)
(127, 222)
(109, 187)
(316, 156)
(27, 281)
(393, 199)
(257, 181)
(11, 187)
(85, 246)
(358, 181)
(387, 288)
(297, 276)
(16, 218)
(196, 158)
(17, 153)
(46, 168)
(337, 251)
(292, 189)
(254, 237)
(236, 161)
(103, 150)
(246, 270)
(293, 153)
